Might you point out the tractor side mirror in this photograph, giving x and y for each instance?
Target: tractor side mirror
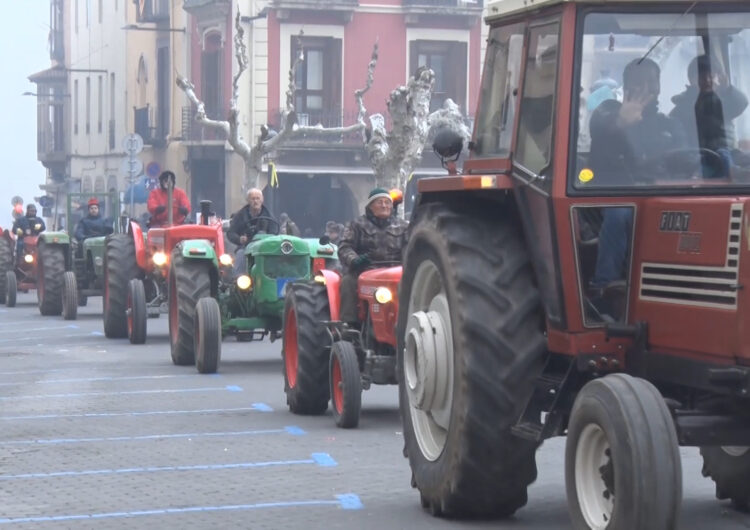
(324, 240)
(448, 145)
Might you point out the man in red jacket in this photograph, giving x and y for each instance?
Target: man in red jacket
(157, 202)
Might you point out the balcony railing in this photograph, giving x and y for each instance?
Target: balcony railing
(195, 132)
(445, 3)
(50, 146)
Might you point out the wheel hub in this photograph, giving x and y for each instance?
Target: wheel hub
(425, 360)
(594, 477)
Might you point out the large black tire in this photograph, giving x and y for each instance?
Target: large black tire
(69, 296)
(49, 281)
(475, 289)
(346, 384)
(729, 467)
(6, 264)
(136, 311)
(189, 281)
(305, 348)
(622, 460)
(207, 335)
(120, 267)
(11, 288)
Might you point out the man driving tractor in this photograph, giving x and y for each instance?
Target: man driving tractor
(28, 225)
(251, 219)
(157, 202)
(375, 237)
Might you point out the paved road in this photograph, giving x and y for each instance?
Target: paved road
(96, 433)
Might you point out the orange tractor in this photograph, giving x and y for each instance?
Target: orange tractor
(587, 272)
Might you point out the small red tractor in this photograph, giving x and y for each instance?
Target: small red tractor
(325, 358)
(35, 262)
(565, 283)
(166, 270)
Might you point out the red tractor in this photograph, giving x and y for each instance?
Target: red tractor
(325, 358)
(586, 273)
(166, 270)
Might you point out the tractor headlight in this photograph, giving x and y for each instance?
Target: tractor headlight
(226, 260)
(29, 258)
(287, 247)
(244, 282)
(383, 295)
(159, 259)
(98, 261)
(320, 279)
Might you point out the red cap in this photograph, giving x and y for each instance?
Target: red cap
(93, 201)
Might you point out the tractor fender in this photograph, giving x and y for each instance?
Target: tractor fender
(332, 288)
(140, 245)
(54, 238)
(198, 249)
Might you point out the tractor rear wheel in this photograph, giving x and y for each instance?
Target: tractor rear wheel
(6, 264)
(69, 296)
(120, 267)
(471, 344)
(136, 311)
(207, 338)
(189, 281)
(49, 281)
(305, 349)
(622, 460)
(11, 288)
(729, 467)
(346, 384)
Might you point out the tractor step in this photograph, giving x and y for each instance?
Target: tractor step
(544, 415)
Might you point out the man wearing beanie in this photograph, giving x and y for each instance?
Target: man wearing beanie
(376, 237)
(93, 225)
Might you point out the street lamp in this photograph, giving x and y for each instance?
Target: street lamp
(135, 27)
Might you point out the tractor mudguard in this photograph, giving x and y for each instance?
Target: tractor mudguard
(199, 249)
(140, 245)
(329, 251)
(332, 288)
(54, 238)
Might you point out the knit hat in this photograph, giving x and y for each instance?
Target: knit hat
(378, 193)
(93, 201)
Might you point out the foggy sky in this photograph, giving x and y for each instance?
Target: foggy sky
(24, 30)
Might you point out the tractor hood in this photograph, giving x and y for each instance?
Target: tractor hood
(329, 251)
(268, 245)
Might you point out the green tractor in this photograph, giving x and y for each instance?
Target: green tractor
(84, 271)
(251, 305)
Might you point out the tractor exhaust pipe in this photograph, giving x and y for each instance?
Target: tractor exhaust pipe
(205, 211)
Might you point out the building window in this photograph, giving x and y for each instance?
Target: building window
(163, 89)
(212, 66)
(101, 105)
(88, 105)
(86, 186)
(448, 61)
(318, 77)
(88, 13)
(75, 15)
(101, 11)
(112, 111)
(75, 106)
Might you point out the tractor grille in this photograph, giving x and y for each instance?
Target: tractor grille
(698, 286)
(287, 266)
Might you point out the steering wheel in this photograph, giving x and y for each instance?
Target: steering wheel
(693, 161)
(252, 225)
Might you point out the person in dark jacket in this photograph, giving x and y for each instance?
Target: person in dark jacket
(375, 238)
(28, 225)
(93, 225)
(253, 218)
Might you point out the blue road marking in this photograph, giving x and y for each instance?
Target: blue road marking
(294, 431)
(122, 393)
(324, 460)
(53, 441)
(234, 388)
(98, 379)
(116, 414)
(349, 501)
(25, 372)
(262, 407)
(316, 459)
(97, 333)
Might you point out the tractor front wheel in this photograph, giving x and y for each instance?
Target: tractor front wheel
(69, 296)
(136, 311)
(346, 384)
(471, 345)
(207, 338)
(49, 281)
(189, 281)
(11, 289)
(305, 348)
(729, 467)
(120, 267)
(6, 265)
(622, 460)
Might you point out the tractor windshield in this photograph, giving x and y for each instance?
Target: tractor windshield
(663, 100)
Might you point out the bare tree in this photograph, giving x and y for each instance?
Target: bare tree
(393, 154)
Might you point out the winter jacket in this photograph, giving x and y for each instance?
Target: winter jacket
(93, 226)
(158, 197)
(383, 240)
(29, 225)
(245, 224)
